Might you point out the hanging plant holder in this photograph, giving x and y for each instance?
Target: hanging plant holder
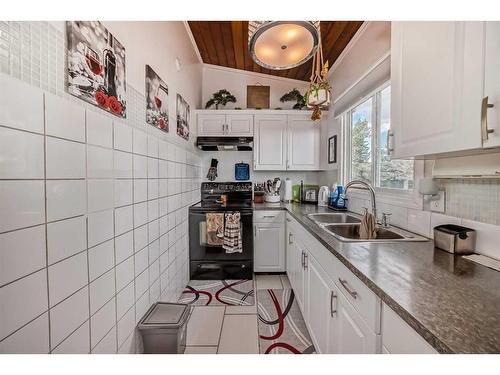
(318, 95)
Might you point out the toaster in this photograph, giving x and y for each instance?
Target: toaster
(455, 239)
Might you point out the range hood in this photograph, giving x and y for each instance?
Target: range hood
(473, 166)
(225, 143)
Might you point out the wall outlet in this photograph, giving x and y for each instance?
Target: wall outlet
(438, 205)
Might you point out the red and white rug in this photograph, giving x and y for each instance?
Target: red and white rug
(219, 292)
(282, 329)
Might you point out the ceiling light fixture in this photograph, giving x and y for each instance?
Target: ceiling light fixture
(280, 45)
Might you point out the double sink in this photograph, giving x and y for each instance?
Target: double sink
(345, 227)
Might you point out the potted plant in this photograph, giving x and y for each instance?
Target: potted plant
(221, 97)
(318, 94)
(296, 96)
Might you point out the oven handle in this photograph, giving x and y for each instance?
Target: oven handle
(242, 213)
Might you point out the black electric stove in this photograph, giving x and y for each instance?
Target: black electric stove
(211, 262)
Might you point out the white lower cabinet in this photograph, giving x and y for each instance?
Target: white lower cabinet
(349, 333)
(320, 307)
(399, 338)
(269, 242)
(341, 313)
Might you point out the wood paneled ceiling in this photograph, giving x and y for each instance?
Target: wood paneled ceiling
(225, 43)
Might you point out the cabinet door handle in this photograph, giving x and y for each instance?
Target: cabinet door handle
(305, 260)
(390, 136)
(333, 296)
(484, 119)
(353, 293)
(290, 235)
(302, 259)
(269, 216)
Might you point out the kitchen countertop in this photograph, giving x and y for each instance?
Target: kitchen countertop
(454, 304)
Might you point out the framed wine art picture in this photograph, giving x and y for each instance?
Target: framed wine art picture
(156, 100)
(96, 66)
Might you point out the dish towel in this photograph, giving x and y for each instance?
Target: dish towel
(232, 233)
(215, 228)
(368, 227)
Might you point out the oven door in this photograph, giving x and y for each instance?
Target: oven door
(200, 248)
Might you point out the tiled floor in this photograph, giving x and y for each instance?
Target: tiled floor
(220, 329)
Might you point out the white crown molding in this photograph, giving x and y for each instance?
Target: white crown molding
(254, 74)
(193, 42)
(348, 48)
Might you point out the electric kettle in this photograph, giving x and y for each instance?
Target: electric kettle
(324, 193)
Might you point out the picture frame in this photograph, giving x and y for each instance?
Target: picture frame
(95, 69)
(332, 149)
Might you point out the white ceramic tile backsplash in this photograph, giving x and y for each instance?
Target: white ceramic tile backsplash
(26, 114)
(77, 342)
(27, 299)
(22, 154)
(64, 119)
(65, 159)
(99, 129)
(66, 277)
(65, 199)
(66, 238)
(99, 203)
(21, 252)
(31, 339)
(21, 204)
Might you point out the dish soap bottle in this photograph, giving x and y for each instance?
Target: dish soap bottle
(339, 202)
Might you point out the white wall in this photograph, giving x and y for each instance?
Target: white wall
(158, 44)
(236, 82)
(93, 224)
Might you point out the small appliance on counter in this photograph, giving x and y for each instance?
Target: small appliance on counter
(323, 196)
(272, 189)
(308, 193)
(455, 239)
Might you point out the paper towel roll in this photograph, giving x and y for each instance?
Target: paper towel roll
(288, 190)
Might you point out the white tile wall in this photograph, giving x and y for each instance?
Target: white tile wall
(86, 242)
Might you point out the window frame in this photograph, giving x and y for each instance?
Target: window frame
(409, 198)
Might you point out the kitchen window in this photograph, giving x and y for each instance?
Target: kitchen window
(366, 127)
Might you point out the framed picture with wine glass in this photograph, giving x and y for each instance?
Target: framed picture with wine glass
(182, 117)
(96, 66)
(156, 100)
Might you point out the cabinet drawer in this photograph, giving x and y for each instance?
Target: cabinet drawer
(399, 338)
(361, 297)
(274, 216)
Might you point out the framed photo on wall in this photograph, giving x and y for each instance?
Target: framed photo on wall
(96, 66)
(332, 149)
(156, 100)
(182, 117)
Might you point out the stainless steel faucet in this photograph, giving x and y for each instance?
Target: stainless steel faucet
(365, 186)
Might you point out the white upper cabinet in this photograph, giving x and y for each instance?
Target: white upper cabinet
(211, 124)
(270, 142)
(303, 143)
(231, 125)
(491, 127)
(437, 71)
(239, 125)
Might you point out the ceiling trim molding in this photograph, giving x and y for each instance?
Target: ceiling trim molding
(255, 74)
(348, 48)
(193, 42)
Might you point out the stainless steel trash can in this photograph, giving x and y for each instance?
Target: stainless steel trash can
(163, 328)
